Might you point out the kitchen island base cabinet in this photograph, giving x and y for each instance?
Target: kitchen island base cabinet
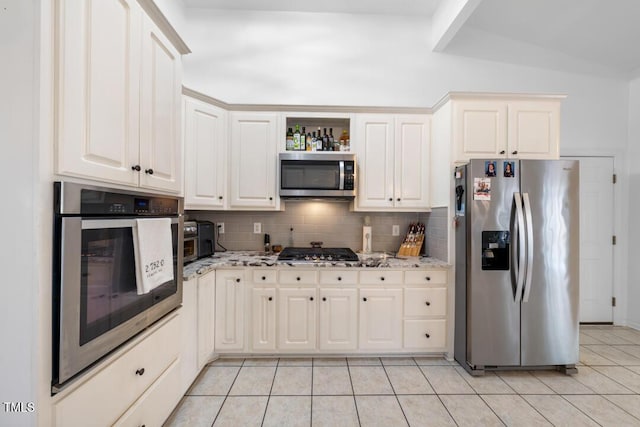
(338, 319)
(145, 374)
(380, 319)
(229, 311)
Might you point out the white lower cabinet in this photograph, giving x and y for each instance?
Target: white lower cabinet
(189, 366)
(425, 334)
(263, 319)
(145, 374)
(380, 318)
(206, 318)
(297, 318)
(229, 311)
(338, 319)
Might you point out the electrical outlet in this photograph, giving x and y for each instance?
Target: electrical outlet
(221, 228)
(257, 227)
(395, 230)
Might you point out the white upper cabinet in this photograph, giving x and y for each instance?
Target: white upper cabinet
(118, 96)
(518, 126)
(393, 159)
(254, 161)
(205, 146)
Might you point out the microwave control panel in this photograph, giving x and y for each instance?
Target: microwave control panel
(349, 175)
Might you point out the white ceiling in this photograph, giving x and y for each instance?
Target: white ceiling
(590, 36)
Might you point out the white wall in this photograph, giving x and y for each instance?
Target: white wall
(634, 204)
(18, 174)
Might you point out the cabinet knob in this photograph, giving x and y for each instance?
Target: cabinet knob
(339, 278)
(140, 372)
(237, 280)
(514, 152)
(310, 298)
(428, 278)
(398, 199)
(136, 168)
(390, 199)
(502, 152)
(270, 198)
(382, 278)
(364, 299)
(148, 171)
(428, 303)
(264, 278)
(270, 298)
(324, 298)
(219, 197)
(427, 335)
(298, 279)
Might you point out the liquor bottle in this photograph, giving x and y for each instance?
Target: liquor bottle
(303, 139)
(289, 140)
(319, 141)
(309, 142)
(332, 142)
(325, 141)
(296, 138)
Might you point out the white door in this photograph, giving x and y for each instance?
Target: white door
(98, 93)
(205, 156)
(297, 319)
(160, 111)
(253, 160)
(374, 151)
(381, 319)
(263, 318)
(411, 183)
(596, 231)
(338, 319)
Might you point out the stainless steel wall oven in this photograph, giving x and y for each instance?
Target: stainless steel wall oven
(96, 306)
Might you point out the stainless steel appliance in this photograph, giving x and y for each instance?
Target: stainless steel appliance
(317, 175)
(96, 307)
(206, 238)
(190, 241)
(316, 254)
(517, 239)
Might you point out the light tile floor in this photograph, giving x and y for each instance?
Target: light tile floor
(419, 391)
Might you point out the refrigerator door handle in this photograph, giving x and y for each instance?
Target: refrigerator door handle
(520, 247)
(529, 234)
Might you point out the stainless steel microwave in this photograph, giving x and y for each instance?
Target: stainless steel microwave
(317, 175)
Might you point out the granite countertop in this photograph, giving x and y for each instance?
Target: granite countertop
(258, 259)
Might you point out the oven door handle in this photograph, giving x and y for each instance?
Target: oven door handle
(93, 224)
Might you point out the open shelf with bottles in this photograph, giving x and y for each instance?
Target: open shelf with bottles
(336, 129)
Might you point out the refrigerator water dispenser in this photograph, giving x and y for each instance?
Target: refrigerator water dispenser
(495, 250)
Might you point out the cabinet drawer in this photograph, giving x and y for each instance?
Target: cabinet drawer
(156, 404)
(296, 277)
(425, 277)
(338, 277)
(380, 277)
(106, 396)
(425, 334)
(265, 276)
(425, 301)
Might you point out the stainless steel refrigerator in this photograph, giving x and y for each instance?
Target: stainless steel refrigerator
(517, 237)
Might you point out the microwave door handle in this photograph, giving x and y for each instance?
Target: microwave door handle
(341, 185)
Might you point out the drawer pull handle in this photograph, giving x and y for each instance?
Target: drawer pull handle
(324, 298)
(514, 152)
(428, 303)
(148, 171)
(382, 278)
(427, 335)
(502, 152)
(270, 298)
(237, 280)
(310, 298)
(364, 299)
(136, 168)
(264, 278)
(140, 372)
(428, 278)
(339, 278)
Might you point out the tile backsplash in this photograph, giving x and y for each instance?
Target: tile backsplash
(329, 222)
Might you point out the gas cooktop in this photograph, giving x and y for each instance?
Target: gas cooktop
(317, 254)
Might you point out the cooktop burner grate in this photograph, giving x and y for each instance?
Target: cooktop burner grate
(317, 254)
